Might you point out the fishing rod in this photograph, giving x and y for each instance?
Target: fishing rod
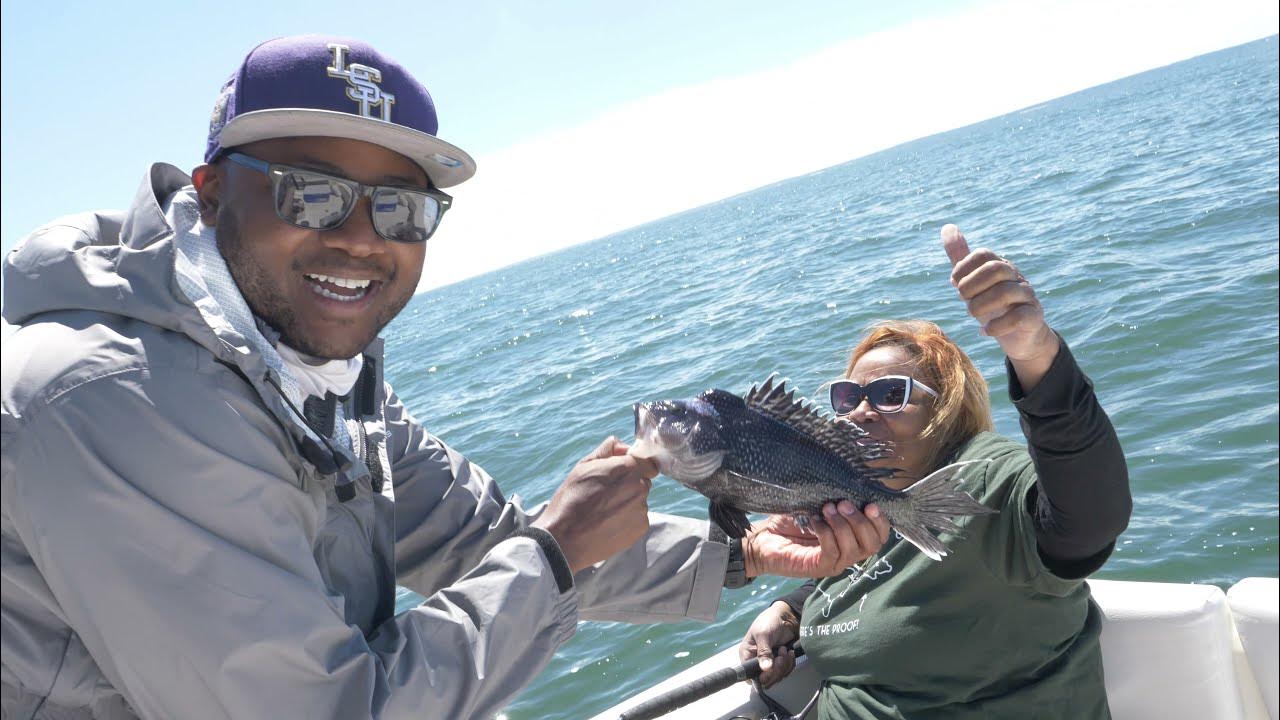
(700, 688)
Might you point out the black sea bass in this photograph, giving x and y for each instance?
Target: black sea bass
(771, 453)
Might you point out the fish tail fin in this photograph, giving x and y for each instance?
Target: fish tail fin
(731, 520)
(930, 504)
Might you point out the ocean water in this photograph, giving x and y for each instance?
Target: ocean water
(1143, 211)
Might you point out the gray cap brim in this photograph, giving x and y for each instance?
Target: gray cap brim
(445, 164)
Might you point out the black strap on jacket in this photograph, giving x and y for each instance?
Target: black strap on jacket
(319, 413)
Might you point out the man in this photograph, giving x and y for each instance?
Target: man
(209, 491)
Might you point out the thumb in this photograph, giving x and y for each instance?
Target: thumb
(954, 243)
(605, 450)
(764, 654)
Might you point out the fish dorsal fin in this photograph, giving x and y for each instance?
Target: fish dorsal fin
(853, 444)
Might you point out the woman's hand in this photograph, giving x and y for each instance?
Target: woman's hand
(842, 537)
(775, 627)
(1005, 304)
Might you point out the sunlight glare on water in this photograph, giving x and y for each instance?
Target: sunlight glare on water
(1144, 212)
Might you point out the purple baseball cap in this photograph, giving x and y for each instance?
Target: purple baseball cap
(316, 85)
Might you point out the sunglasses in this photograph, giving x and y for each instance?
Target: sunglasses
(888, 394)
(310, 199)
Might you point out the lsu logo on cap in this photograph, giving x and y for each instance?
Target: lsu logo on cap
(363, 81)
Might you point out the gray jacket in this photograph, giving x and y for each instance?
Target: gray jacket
(173, 545)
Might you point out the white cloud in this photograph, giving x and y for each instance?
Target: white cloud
(693, 145)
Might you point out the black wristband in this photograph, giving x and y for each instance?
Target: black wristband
(716, 535)
(555, 556)
(735, 575)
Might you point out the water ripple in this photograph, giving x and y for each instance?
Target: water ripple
(1145, 212)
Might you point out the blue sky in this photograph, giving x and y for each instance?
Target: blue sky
(590, 103)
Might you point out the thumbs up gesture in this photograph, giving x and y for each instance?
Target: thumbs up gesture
(1004, 304)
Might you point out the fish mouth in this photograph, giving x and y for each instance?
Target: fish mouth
(648, 443)
(653, 425)
(643, 418)
(670, 444)
(648, 418)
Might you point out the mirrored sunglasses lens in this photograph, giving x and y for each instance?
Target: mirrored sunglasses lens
(404, 216)
(888, 394)
(845, 396)
(311, 200)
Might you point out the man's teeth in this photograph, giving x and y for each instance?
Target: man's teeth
(335, 296)
(361, 287)
(341, 282)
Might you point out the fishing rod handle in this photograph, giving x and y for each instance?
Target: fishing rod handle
(700, 688)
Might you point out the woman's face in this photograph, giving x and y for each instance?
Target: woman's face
(910, 452)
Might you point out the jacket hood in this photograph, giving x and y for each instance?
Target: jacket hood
(127, 264)
(137, 265)
(112, 262)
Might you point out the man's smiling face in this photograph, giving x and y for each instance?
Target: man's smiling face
(328, 292)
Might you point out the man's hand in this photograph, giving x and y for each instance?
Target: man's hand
(602, 508)
(841, 538)
(1005, 305)
(775, 627)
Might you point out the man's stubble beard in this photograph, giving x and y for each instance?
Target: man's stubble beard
(270, 305)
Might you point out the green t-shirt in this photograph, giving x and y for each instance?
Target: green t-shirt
(987, 632)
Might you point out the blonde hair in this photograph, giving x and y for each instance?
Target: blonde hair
(963, 406)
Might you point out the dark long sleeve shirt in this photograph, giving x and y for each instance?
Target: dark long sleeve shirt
(1082, 501)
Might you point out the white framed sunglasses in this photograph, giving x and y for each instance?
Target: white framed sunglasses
(888, 394)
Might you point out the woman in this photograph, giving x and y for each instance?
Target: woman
(1004, 625)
